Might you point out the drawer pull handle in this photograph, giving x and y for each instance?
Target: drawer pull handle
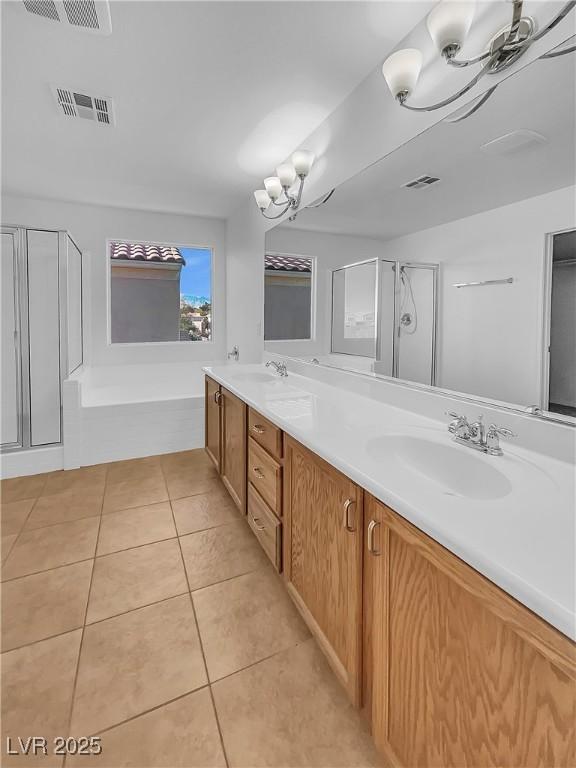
(258, 472)
(372, 525)
(217, 397)
(348, 504)
(256, 520)
(258, 429)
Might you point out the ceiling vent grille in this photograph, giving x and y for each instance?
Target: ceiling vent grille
(422, 182)
(89, 15)
(77, 104)
(46, 8)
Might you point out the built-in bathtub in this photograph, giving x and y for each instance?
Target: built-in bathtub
(127, 411)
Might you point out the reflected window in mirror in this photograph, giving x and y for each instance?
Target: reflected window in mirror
(288, 297)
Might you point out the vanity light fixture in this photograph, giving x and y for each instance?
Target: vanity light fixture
(448, 25)
(277, 189)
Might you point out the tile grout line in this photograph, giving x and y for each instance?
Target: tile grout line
(74, 686)
(4, 561)
(199, 638)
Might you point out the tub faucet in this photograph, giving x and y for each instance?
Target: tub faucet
(235, 354)
(280, 368)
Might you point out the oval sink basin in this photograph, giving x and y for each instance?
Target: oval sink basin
(252, 376)
(458, 470)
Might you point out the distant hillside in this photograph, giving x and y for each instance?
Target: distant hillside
(194, 301)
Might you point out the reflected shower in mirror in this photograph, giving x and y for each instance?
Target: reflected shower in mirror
(449, 262)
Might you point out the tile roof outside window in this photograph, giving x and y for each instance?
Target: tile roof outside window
(279, 263)
(141, 252)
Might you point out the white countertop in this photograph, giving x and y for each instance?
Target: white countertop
(523, 540)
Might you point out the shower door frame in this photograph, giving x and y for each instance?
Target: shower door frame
(397, 267)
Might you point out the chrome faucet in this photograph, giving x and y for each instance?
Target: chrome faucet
(476, 435)
(280, 368)
(234, 354)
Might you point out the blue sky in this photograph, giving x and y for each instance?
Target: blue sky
(195, 276)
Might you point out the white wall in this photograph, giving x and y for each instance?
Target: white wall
(330, 251)
(91, 226)
(490, 340)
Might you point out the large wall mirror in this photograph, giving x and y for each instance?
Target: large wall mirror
(452, 261)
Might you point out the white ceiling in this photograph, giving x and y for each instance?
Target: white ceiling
(209, 96)
(540, 98)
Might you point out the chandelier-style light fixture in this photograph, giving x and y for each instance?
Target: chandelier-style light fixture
(278, 188)
(448, 24)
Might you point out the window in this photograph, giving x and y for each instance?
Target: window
(159, 293)
(287, 297)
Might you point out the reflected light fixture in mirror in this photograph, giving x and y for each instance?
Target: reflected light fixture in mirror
(448, 24)
(277, 188)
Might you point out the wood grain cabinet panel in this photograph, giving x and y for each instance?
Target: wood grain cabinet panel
(266, 527)
(265, 474)
(323, 558)
(233, 457)
(268, 435)
(213, 422)
(461, 674)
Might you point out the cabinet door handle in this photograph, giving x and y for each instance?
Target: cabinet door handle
(256, 520)
(217, 397)
(258, 429)
(348, 504)
(258, 472)
(372, 525)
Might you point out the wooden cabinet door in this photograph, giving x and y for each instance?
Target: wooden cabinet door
(462, 674)
(213, 424)
(323, 558)
(233, 456)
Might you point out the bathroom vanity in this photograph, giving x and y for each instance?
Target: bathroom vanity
(450, 668)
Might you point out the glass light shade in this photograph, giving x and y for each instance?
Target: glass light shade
(262, 199)
(449, 22)
(273, 187)
(401, 70)
(303, 160)
(287, 174)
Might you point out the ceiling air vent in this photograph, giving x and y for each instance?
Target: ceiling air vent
(77, 104)
(422, 182)
(90, 15)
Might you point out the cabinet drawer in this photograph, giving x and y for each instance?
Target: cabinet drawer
(265, 433)
(266, 526)
(265, 474)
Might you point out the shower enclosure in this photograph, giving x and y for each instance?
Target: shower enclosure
(388, 310)
(41, 273)
(408, 312)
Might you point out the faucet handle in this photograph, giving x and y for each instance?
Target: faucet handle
(494, 429)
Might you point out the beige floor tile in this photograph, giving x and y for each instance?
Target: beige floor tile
(133, 527)
(195, 458)
(64, 506)
(136, 577)
(13, 515)
(221, 553)
(207, 510)
(50, 547)
(244, 620)
(28, 487)
(134, 469)
(136, 661)
(183, 734)
(190, 482)
(290, 711)
(7, 544)
(85, 479)
(37, 683)
(44, 604)
(127, 494)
